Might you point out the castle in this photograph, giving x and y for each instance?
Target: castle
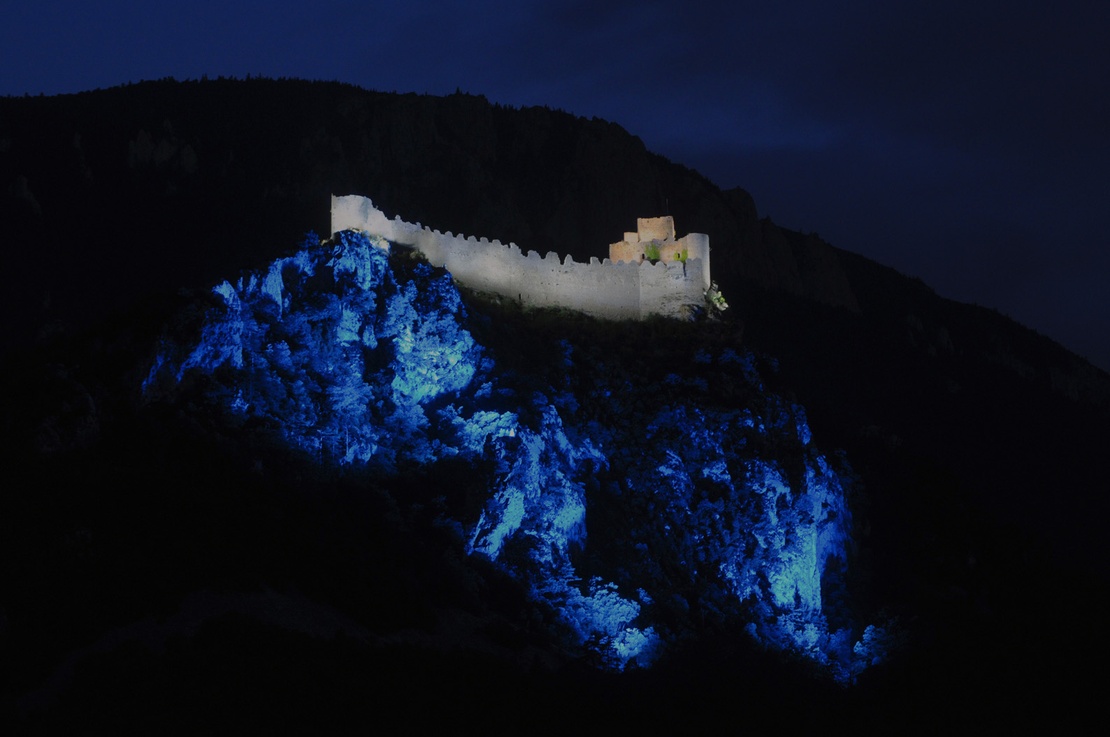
(650, 272)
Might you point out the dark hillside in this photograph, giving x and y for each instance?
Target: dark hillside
(978, 444)
(112, 194)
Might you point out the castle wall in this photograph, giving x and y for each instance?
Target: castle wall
(618, 291)
(696, 246)
(627, 250)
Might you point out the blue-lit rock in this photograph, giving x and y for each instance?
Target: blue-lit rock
(331, 349)
(729, 510)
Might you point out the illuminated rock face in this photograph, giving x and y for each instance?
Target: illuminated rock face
(336, 351)
(621, 509)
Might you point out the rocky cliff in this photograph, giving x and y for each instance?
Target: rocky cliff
(675, 504)
(970, 467)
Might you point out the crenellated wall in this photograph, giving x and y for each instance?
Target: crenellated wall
(617, 290)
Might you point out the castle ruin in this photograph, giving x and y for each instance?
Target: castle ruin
(650, 272)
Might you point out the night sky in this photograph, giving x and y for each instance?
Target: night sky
(966, 143)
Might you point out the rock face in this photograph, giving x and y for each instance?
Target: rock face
(635, 506)
(977, 442)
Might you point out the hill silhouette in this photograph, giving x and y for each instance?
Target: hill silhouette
(977, 441)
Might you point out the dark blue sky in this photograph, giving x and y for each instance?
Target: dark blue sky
(967, 143)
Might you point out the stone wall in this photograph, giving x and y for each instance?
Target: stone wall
(606, 289)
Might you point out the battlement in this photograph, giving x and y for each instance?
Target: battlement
(655, 274)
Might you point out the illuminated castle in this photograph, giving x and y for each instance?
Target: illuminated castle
(650, 272)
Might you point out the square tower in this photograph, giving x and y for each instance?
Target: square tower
(655, 229)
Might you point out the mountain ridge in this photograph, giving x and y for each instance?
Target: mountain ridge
(976, 440)
(577, 184)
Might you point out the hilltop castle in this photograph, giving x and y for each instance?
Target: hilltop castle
(650, 272)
